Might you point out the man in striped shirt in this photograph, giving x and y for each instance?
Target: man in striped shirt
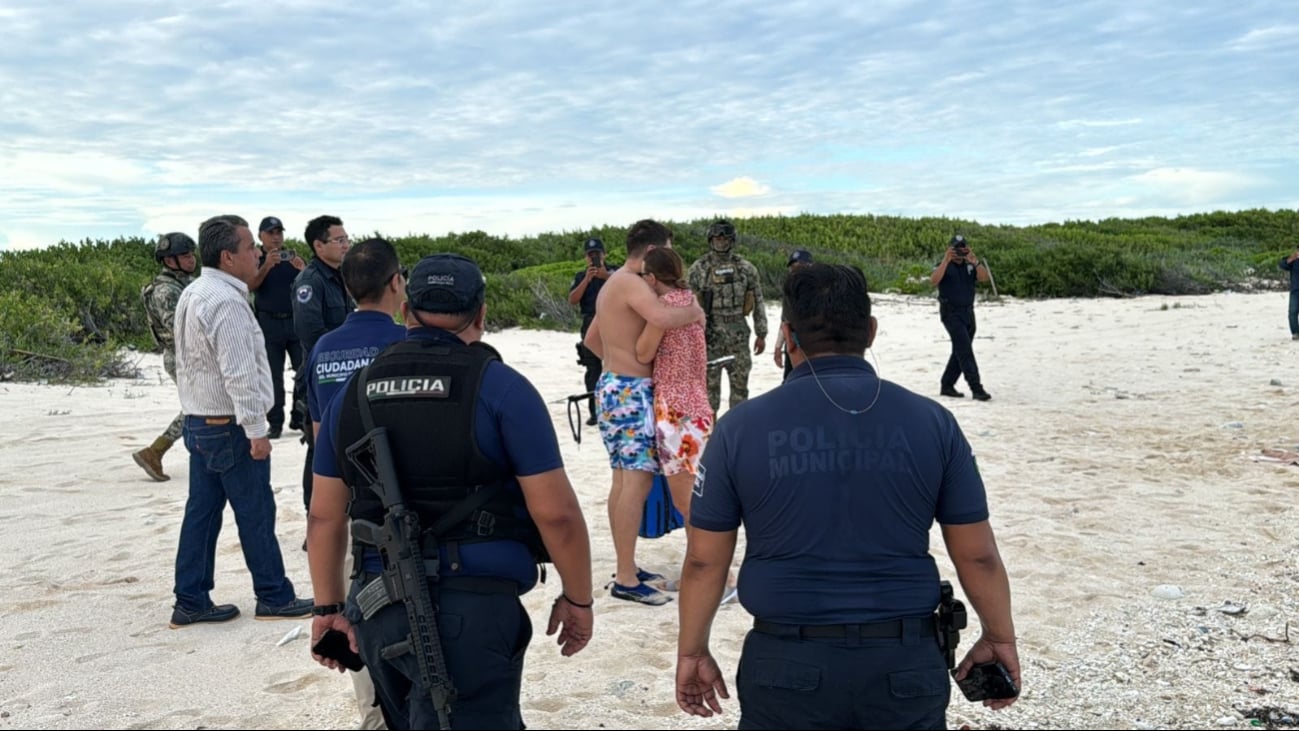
(225, 392)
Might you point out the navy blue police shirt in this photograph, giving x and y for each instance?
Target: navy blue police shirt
(341, 352)
(1293, 268)
(587, 304)
(837, 508)
(513, 429)
(275, 293)
(956, 288)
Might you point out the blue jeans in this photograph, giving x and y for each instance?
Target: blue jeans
(1294, 313)
(221, 468)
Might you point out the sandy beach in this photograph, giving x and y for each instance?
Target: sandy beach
(1122, 452)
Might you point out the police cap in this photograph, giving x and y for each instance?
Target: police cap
(446, 283)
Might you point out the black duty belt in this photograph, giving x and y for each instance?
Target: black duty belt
(276, 315)
(892, 629)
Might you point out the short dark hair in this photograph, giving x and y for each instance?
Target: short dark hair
(829, 308)
(218, 234)
(646, 233)
(367, 268)
(318, 229)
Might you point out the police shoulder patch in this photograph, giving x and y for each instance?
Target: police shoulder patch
(304, 293)
(698, 487)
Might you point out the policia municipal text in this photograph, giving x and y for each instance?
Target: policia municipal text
(470, 444)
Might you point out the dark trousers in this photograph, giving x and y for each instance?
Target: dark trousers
(484, 637)
(594, 366)
(959, 322)
(1294, 313)
(308, 436)
(786, 682)
(281, 340)
(222, 469)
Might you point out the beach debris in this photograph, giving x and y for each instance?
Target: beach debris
(1234, 425)
(1227, 721)
(290, 636)
(621, 687)
(1168, 591)
(1285, 456)
(1232, 608)
(1275, 382)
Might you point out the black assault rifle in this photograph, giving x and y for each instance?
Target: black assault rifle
(404, 568)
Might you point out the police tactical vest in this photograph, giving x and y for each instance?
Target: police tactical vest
(426, 393)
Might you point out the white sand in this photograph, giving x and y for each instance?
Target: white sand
(1117, 454)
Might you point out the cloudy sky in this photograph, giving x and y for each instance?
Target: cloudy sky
(135, 117)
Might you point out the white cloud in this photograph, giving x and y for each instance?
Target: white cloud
(1195, 187)
(742, 187)
(1261, 38)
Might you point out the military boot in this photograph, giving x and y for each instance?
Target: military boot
(150, 458)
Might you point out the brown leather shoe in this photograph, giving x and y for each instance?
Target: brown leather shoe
(151, 462)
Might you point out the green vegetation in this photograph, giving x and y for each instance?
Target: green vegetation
(67, 311)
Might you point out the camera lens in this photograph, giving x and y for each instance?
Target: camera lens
(285, 255)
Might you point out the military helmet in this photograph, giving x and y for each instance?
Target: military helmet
(173, 244)
(723, 228)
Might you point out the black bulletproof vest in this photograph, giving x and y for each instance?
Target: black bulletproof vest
(425, 393)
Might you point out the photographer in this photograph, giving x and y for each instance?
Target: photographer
(956, 277)
(586, 287)
(271, 286)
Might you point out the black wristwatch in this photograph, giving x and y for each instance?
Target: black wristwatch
(321, 610)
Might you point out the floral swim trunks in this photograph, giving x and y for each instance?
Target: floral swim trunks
(627, 421)
(681, 439)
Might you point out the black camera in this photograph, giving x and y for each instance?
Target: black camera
(286, 255)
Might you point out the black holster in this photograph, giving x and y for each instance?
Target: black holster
(951, 620)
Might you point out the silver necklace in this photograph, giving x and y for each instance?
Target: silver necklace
(879, 385)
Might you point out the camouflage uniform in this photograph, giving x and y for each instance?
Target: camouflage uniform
(160, 297)
(729, 288)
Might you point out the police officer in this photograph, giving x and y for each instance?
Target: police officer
(461, 423)
(272, 301)
(956, 277)
(797, 258)
(837, 476)
(320, 304)
(175, 252)
(586, 287)
(730, 290)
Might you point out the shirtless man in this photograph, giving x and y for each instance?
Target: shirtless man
(626, 399)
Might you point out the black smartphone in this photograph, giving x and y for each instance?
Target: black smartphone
(989, 681)
(334, 645)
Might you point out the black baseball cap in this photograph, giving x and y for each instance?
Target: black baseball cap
(958, 242)
(270, 223)
(446, 283)
(799, 256)
(593, 244)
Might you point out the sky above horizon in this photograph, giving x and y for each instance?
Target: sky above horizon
(139, 117)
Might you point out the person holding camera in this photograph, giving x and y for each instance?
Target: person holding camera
(586, 287)
(837, 477)
(956, 277)
(1288, 265)
(271, 288)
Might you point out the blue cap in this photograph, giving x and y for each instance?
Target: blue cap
(270, 223)
(799, 256)
(446, 283)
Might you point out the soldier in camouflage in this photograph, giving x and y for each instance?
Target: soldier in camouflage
(729, 289)
(175, 251)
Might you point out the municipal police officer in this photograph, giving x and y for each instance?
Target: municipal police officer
(586, 287)
(175, 252)
(461, 423)
(797, 258)
(320, 304)
(272, 289)
(837, 477)
(956, 277)
(730, 290)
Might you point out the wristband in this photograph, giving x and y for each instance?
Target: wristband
(570, 601)
(321, 610)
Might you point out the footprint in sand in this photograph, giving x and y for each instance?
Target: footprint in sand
(292, 684)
